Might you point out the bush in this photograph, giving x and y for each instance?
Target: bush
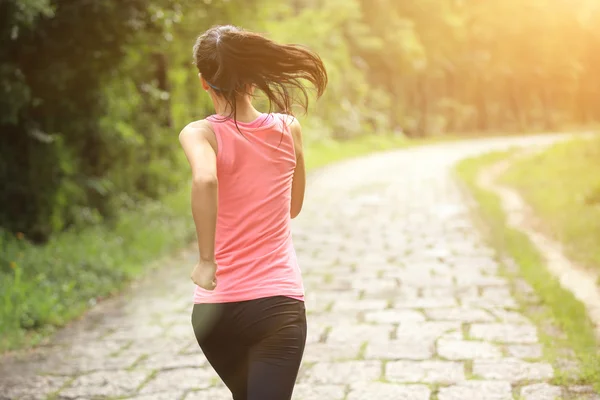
(79, 129)
(45, 286)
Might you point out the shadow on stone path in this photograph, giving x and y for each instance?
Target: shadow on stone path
(404, 301)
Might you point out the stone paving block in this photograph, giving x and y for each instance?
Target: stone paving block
(359, 333)
(387, 391)
(451, 292)
(81, 365)
(541, 391)
(512, 370)
(171, 395)
(80, 335)
(331, 319)
(436, 267)
(365, 274)
(370, 259)
(105, 383)
(314, 333)
(505, 333)
(480, 390)
(425, 302)
(305, 391)
(337, 285)
(187, 346)
(393, 316)
(452, 335)
(398, 294)
(386, 294)
(459, 314)
(178, 318)
(483, 302)
(374, 284)
(101, 349)
(343, 372)
(427, 329)
(442, 372)
(216, 393)
(34, 387)
(425, 280)
(467, 350)
(401, 349)
(415, 273)
(359, 305)
(480, 270)
(165, 344)
(319, 324)
(581, 389)
(476, 261)
(313, 281)
(316, 297)
(526, 351)
(180, 330)
(327, 352)
(507, 316)
(313, 265)
(497, 292)
(186, 378)
(480, 280)
(139, 333)
(164, 360)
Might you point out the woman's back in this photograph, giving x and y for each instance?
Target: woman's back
(253, 244)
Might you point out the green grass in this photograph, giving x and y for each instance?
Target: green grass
(562, 185)
(562, 308)
(44, 287)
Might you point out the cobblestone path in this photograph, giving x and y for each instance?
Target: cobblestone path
(405, 301)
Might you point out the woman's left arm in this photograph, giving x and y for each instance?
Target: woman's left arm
(199, 144)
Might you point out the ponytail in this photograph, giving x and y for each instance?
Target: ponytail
(231, 59)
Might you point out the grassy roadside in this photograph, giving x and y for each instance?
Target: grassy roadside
(42, 288)
(560, 307)
(319, 154)
(562, 185)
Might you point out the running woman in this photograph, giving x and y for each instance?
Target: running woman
(248, 183)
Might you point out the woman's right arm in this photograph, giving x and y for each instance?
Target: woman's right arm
(299, 180)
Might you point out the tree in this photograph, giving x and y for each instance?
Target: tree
(58, 58)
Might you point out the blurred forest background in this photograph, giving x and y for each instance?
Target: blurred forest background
(94, 93)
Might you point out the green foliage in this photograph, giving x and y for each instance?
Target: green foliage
(350, 107)
(45, 286)
(455, 65)
(60, 61)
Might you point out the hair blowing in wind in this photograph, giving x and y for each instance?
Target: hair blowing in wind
(231, 59)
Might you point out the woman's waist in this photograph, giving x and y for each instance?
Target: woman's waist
(246, 292)
(244, 281)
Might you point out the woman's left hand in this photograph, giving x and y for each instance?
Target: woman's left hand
(204, 274)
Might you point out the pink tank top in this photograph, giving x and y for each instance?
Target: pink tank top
(253, 243)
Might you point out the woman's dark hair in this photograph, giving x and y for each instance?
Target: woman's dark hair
(230, 59)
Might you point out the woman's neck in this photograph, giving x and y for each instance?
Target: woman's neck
(245, 111)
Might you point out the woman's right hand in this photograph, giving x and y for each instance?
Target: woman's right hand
(204, 274)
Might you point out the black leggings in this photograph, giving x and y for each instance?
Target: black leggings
(255, 346)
